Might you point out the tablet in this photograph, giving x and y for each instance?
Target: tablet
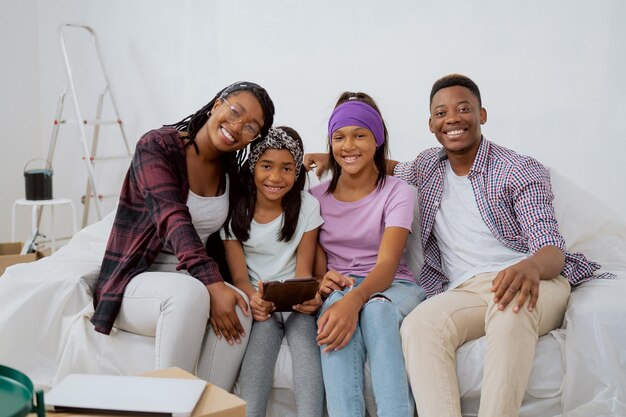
(287, 293)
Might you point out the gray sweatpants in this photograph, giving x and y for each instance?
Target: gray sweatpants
(257, 370)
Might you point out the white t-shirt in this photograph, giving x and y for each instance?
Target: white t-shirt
(467, 246)
(269, 259)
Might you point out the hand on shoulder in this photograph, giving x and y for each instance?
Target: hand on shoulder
(317, 161)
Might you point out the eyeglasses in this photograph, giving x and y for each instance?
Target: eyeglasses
(249, 131)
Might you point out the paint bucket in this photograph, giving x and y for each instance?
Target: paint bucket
(38, 181)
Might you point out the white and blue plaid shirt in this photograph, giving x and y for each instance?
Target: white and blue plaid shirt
(514, 197)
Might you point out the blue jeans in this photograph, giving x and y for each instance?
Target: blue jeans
(377, 337)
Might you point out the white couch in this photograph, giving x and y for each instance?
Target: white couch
(579, 370)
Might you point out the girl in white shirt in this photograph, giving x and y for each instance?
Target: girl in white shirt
(275, 226)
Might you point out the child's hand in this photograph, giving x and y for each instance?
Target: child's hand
(261, 309)
(337, 324)
(333, 281)
(310, 306)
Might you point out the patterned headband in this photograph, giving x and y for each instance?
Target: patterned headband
(276, 139)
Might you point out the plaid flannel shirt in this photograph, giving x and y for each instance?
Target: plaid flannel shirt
(152, 211)
(514, 197)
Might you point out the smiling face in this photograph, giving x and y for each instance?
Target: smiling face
(274, 174)
(228, 136)
(455, 119)
(353, 148)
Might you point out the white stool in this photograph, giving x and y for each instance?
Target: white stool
(38, 205)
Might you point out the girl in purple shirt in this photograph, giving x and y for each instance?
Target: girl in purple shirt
(368, 287)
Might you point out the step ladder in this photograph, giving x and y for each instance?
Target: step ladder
(89, 151)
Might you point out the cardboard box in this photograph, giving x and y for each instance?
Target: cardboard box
(10, 255)
(214, 402)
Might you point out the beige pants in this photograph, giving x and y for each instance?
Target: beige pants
(438, 326)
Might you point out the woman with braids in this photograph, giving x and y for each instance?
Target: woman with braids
(157, 277)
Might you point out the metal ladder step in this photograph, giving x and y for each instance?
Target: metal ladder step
(109, 158)
(91, 122)
(89, 151)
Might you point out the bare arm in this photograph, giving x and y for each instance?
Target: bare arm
(329, 280)
(305, 254)
(320, 265)
(236, 260)
(389, 255)
(390, 165)
(305, 257)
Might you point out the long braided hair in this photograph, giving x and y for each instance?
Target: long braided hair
(231, 162)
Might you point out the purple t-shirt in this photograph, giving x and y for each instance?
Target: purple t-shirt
(352, 231)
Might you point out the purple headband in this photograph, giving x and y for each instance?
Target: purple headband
(357, 113)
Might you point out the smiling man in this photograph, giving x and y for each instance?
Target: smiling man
(495, 262)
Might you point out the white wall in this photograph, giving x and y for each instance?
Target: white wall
(551, 73)
(20, 118)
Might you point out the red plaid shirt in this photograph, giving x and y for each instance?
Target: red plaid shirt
(514, 197)
(152, 211)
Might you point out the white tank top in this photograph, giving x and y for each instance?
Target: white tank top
(208, 215)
